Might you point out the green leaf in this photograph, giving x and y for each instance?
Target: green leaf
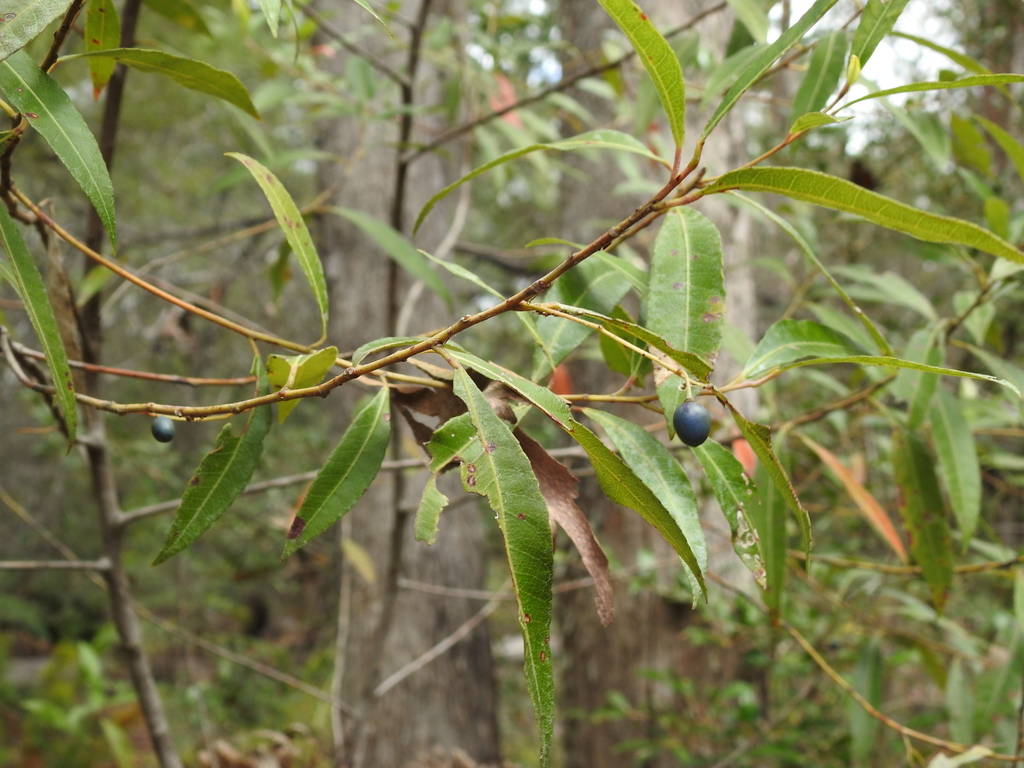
(192, 74)
(102, 31)
(727, 73)
(398, 248)
(763, 61)
(751, 14)
(698, 366)
(970, 148)
(921, 508)
(27, 23)
(1001, 366)
(49, 110)
(760, 438)
(814, 120)
(963, 82)
(685, 302)
(917, 387)
(1018, 597)
(659, 470)
(429, 511)
(958, 462)
(592, 285)
(295, 231)
(827, 65)
(965, 61)
(619, 358)
(997, 216)
(379, 345)
(789, 340)
(888, 288)
(1007, 143)
(369, 9)
(875, 23)
(636, 277)
(298, 372)
(622, 486)
(769, 518)
(658, 59)
(222, 475)
(272, 13)
(181, 12)
(554, 407)
(346, 475)
(736, 494)
(455, 439)
(25, 277)
(868, 679)
(793, 232)
(503, 474)
(601, 139)
(842, 195)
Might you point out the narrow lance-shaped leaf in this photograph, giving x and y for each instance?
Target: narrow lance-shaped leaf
(272, 13)
(27, 22)
(828, 62)
(194, 75)
(398, 248)
(591, 285)
(760, 64)
(102, 31)
(600, 139)
(295, 230)
(349, 470)
(751, 14)
(865, 502)
(769, 517)
(921, 508)
(942, 85)
(661, 472)
(432, 503)
(222, 475)
(814, 120)
(794, 233)
(958, 462)
(623, 487)
(760, 438)
(181, 12)
(875, 23)
(917, 387)
(503, 474)
(868, 680)
(1013, 148)
(789, 340)
(842, 195)
(49, 111)
(736, 496)
(657, 57)
(25, 277)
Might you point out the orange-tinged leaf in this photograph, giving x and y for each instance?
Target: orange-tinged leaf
(865, 502)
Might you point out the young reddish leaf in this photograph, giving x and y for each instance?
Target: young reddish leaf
(735, 491)
(502, 474)
(558, 487)
(346, 475)
(865, 502)
(222, 475)
(923, 513)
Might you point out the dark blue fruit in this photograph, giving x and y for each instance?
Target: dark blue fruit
(692, 422)
(162, 429)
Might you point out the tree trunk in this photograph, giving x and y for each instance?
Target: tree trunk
(649, 631)
(450, 703)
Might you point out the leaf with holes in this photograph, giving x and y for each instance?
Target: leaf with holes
(346, 475)
(503, 474)
(49, 111)
(295, 231)
(659, 470)
(432, 503)
(222, 475)
(736, 494)
(28, 283)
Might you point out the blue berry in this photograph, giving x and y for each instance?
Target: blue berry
(162, 429)
(692, 423)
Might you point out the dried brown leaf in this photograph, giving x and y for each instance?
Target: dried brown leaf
(558, 487)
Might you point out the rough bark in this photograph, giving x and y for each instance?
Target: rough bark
(449, 704)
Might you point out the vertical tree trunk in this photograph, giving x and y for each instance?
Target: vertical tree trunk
(648, 633)
(450, 703)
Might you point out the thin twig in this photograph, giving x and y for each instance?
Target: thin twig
(907, 570)
(55, 565)
(355, 48)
